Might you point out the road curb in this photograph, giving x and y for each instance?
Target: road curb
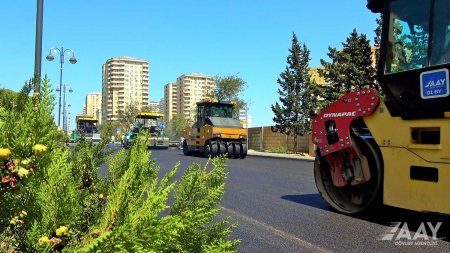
(279, 156)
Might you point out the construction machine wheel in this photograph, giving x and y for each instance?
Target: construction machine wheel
(352, 199)
(237, 150)
(243, 150)
(214, 149)
(185, 148)
(209, 150)
(222, 148)
(230, 150)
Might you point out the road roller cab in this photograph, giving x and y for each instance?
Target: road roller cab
(215, 131)
(393, 150)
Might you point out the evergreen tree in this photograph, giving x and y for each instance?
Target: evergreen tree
(298, 103)
(377, 38)
(350, 69)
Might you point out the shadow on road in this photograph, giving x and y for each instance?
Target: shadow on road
(384, 215)
(313, 200)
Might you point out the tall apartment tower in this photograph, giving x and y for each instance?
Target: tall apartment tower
(182, 97)
(93, 103)
(191, 89)
(170, 101)
(125, 82)
(162, 106)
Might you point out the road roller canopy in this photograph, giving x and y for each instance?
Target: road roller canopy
(376, 5)
(149, 115)
(215, 101)
(415, 56)
(149, 120)
(215, 109)
(86, 124)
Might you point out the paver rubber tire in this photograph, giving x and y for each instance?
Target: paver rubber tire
(237, 150)
(222, 148)
(230, 150)
(185, 148)
(243, 150)
(207, 149)
(214, 149)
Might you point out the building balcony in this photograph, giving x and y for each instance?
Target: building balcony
(116, 69)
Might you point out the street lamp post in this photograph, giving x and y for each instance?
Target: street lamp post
(67, 118)
(50, 57)
(68, 121)
(64, 105)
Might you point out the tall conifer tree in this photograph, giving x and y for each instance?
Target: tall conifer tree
(350, 69)
(293, 115)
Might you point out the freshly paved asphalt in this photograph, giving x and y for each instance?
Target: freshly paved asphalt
(278, 209)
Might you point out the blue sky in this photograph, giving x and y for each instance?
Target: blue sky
(249, 38)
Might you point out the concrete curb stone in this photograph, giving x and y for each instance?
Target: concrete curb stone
(278, 155)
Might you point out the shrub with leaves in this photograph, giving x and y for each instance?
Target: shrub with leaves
(66, 206)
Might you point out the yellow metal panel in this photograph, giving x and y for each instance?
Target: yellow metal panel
(399, 151)
(149, 115)
(395, 132)
(401, 191)
(86, 119)
(230, 133)
(193, 135)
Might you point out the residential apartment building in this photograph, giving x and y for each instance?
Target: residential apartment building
(125, 82)
(170, 100)
(93, 104)
(154, 106)
(182, 97)
(162, 106)
(314, 72)
(191, 88)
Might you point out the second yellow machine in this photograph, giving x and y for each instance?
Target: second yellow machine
(215, 131)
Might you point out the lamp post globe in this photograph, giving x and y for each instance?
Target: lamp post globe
(73, 60)
(50, 57)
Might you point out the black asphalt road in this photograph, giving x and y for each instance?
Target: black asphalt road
(278, 209)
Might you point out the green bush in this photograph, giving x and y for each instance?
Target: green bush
(279, 149)
(54, 200)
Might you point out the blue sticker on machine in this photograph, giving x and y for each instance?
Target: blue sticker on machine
(434, 84)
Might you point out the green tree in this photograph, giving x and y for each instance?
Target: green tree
(176, 125)
(350, 69)
(377, 38)
(126, 117)
(230, 88)
(298, 102)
